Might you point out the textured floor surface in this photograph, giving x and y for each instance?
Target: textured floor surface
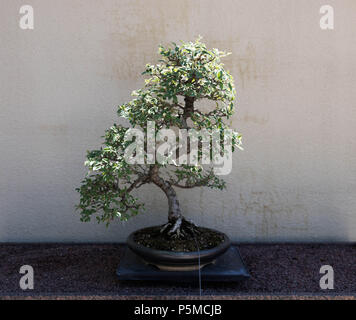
(88, 270)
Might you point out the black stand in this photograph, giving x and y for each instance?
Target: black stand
(228, 267)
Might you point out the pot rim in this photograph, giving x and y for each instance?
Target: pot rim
(174, 254)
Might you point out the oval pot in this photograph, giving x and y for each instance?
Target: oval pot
(175, 260)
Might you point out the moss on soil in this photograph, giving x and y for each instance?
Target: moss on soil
(153, 238)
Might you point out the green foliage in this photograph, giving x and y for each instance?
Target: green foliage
(191, 70)
(187, 73)
(186, 70)
(110, 179)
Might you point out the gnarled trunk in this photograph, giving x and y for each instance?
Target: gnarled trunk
(174, 214)
(177, 225)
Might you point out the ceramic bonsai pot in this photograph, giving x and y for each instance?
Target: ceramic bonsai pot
(176, 260)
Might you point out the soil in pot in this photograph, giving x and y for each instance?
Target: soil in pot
(203, 237)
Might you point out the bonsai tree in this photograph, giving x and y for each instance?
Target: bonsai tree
(187, 74)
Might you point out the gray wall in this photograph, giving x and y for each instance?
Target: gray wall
(61, 83)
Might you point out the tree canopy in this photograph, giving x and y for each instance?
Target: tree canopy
(186, 74)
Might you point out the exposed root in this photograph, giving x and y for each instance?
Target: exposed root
(180, 229)
(191, 222)
(176, 227)
(165, 226)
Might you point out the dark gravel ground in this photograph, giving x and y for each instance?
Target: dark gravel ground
(89, 270)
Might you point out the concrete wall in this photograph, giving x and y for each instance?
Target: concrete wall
(61, 83)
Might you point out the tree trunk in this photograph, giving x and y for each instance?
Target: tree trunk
(174, 214)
